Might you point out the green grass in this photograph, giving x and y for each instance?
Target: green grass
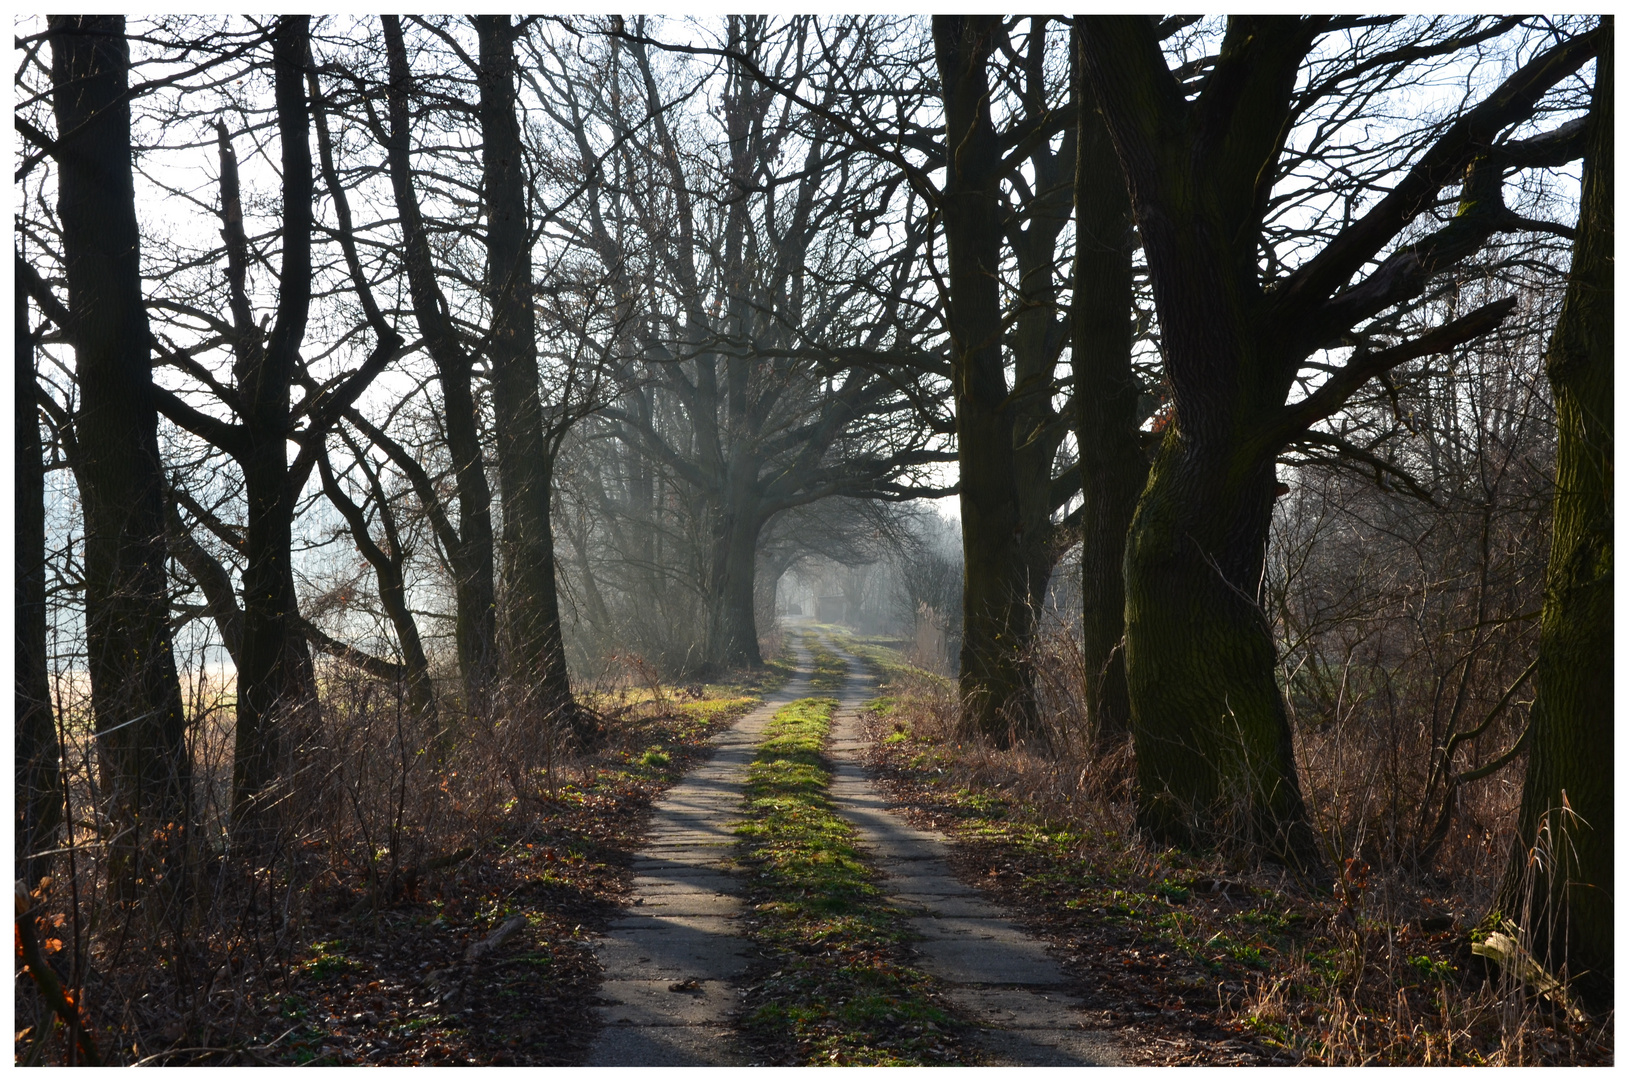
(839, 991)
(328, 960)
(829, 672)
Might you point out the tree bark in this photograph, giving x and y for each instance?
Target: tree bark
(1563, 899)
(996, 684)
(1214, 752)
(535, 642)
(135, 691)
(276, 692)
(38, 775)
(731, 585)
(1112, 465)
(1213, 749)
(472, 560)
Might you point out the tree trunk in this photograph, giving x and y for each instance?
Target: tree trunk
(1214, 752)
(1112, 466)
(135, 692)
(472, 562)
(1212, 741)
(276, 690)
(39, 780)
(1563, 899)
(275, 679)
(730, 597)
(996, 684)
(536, 645)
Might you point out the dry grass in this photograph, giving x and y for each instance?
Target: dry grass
(391, 826)
(1379, 972)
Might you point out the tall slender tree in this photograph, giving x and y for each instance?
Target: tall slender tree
(535, 645)
(1106, 397)
(472, 559)
(37, 770)
(1007, 433)
(135, 691)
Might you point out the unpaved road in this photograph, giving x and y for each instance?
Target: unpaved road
(670, 962)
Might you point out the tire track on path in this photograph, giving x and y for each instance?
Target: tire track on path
(994, 972)
(671, 961)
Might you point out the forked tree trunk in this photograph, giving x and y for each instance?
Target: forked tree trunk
(1563, 898)
(1214, 752)
(1213, 747)
(276, 697)
(135, 692)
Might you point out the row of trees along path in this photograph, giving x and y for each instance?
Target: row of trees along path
(682, 933)
(1198, 164)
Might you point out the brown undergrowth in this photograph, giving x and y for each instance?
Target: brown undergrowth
(1208, 959)
(437, 912)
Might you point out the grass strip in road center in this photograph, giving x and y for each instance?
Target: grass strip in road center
(835, 987)
(829, 670)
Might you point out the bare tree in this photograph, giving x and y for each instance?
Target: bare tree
(759, 377)
(135, 692)
(1209, 719)
(37, 771)
(275, 682)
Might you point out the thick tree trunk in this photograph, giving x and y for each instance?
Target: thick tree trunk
(39, 780)
(135, 693)
(730, 596)
(1560, 886)
(1206, 714)
(996, 683)
(1214, 752)
(535, 643)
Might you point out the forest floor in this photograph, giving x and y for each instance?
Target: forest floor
(1196, 960)
(413, 982)
(1180, 959)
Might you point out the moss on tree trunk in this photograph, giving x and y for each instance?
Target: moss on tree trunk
(1214, 752)
(1560, 885)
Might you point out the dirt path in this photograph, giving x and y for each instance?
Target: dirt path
(997, 974)
(669, 964)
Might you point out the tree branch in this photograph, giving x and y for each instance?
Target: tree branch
(1331, 395)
